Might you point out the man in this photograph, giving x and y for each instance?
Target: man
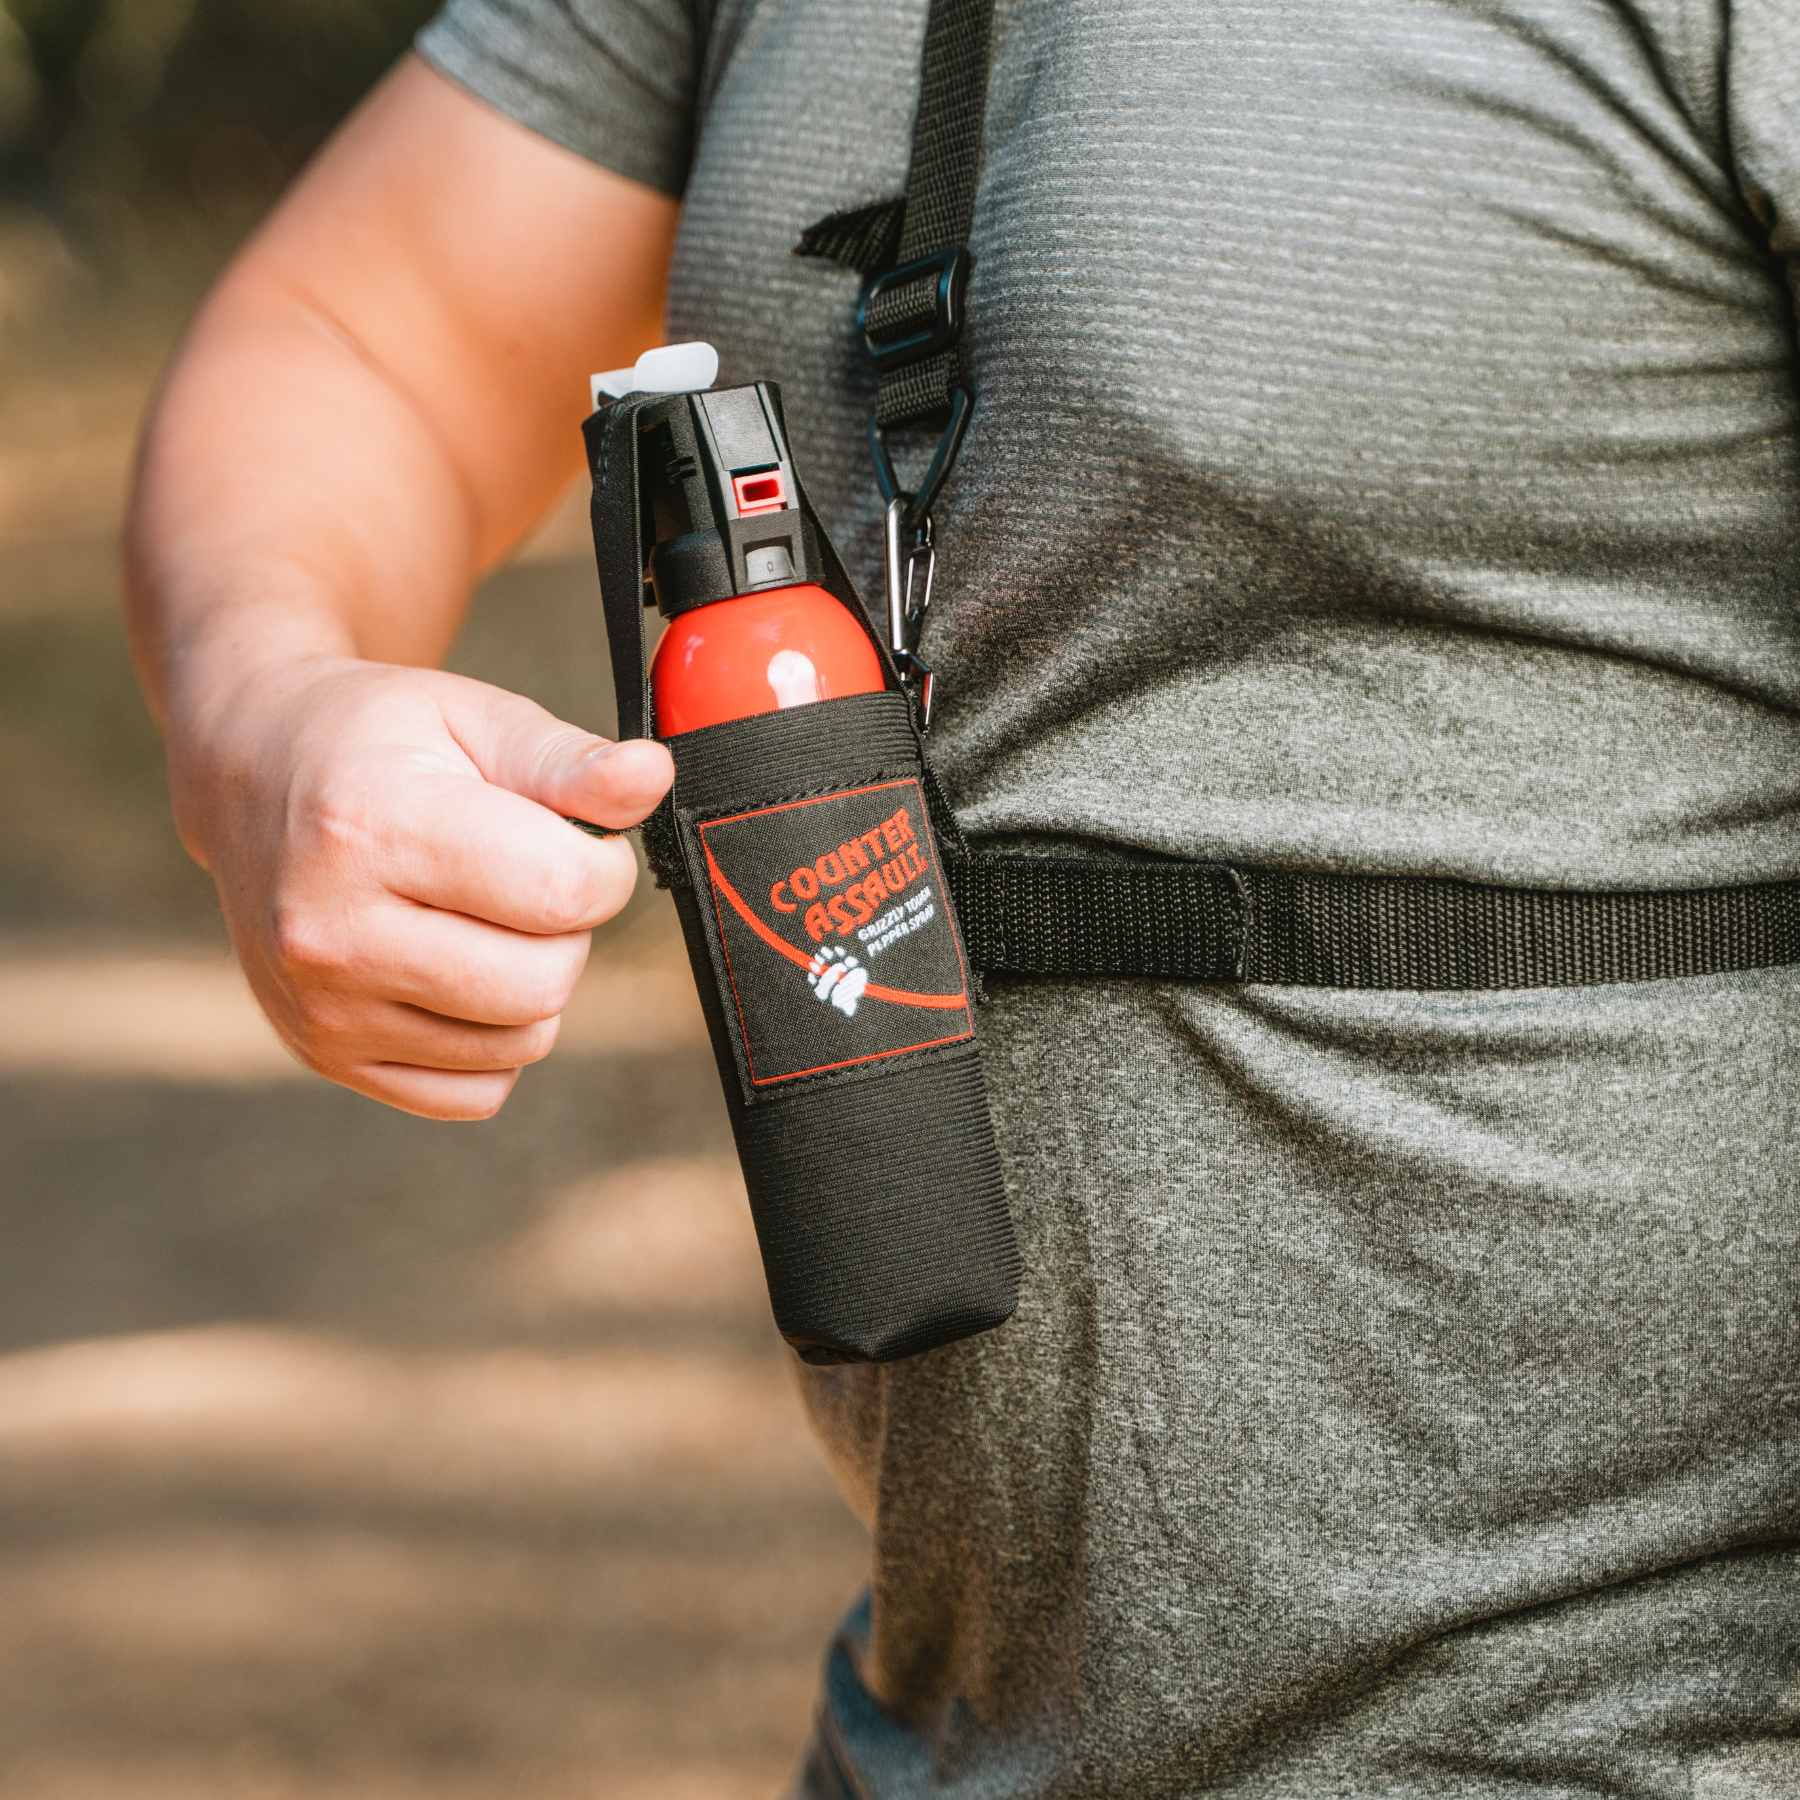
(1387, 458)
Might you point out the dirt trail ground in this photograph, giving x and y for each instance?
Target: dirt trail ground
(343, 1454)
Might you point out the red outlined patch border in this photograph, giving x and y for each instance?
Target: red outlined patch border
(715, 876)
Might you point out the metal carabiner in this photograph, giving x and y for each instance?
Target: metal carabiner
(905, 617)
(922, 546)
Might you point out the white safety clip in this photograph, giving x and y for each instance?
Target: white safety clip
(668, 369)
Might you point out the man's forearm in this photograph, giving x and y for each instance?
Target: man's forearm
(382, 393)
(291, 502)
(376, 402)
(388, 843)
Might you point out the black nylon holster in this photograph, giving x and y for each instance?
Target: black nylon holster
(809, 876)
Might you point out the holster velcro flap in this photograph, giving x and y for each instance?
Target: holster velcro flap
(832, 972)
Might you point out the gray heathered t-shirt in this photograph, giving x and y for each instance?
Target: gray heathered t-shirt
(1388, 458)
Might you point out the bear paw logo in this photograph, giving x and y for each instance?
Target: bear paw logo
(839, 978)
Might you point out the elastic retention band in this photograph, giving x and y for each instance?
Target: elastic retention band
(1188, 921)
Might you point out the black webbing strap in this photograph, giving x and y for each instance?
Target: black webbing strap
(862, 238)
(925, 283)
(612, 447)
(1033, 915)
(913, 250)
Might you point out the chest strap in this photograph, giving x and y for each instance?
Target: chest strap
(1194, 921)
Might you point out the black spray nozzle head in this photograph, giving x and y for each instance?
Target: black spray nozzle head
(717, 497)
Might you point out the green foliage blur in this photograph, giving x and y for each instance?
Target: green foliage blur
(117, 111)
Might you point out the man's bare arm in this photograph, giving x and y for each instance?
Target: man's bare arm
(376, 401)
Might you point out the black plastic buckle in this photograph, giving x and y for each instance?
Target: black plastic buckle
(941, 330)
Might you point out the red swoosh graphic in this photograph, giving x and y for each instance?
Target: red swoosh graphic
(874, 990)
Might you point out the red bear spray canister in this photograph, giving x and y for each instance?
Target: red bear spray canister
(747, 632)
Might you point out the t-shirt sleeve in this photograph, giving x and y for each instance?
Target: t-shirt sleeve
(613, 80)
(1763, 107)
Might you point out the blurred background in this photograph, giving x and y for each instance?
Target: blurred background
(340, 1453)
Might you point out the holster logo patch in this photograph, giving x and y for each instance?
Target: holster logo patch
(834, 923)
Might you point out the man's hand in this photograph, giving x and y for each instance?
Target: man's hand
(377, 399)
(408, 899)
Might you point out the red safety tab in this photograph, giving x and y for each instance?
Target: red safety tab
(759, 491)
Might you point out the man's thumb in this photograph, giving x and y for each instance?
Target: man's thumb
(516, 744)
